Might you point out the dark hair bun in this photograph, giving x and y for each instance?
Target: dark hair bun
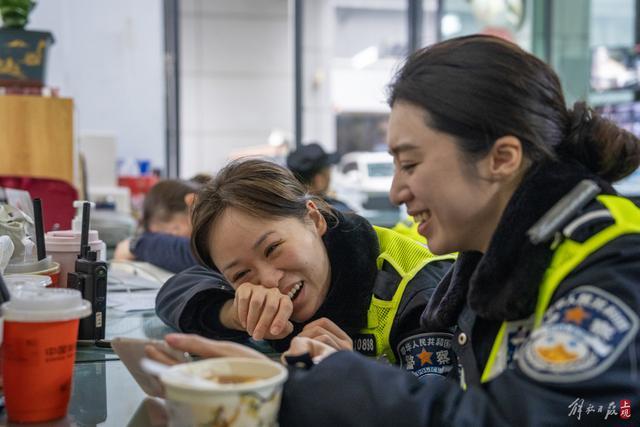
(602, 146)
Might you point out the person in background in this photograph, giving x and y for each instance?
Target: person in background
(544, 298)
(312, 166)
(166, 228)
(279, 262)
(201, 178)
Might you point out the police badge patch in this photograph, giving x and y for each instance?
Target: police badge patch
(426, 354)
(581, 335)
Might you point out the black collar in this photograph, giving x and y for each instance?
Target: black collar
(352, 246)
(503, 283)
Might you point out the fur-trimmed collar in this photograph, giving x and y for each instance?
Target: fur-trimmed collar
(352, 246)
(503, 283)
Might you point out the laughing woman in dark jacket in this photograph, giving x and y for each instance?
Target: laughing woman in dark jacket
(280, 263)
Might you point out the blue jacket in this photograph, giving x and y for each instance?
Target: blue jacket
(172, 253)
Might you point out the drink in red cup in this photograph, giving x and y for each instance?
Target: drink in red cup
(54, 273)
(16, 282)
(44, 267)
(39, 347)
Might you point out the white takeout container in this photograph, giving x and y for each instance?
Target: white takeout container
(193, 400)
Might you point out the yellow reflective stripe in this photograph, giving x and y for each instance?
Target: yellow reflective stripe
(497, 345)
(408, 227)
(402, 252)
(407, 257)
(567, 257)
(570, 254)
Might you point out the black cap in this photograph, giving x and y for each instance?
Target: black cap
(310, 159)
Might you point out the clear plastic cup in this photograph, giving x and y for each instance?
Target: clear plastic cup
(224, 391)
(45, 267)
(16, 282)
(39, 348)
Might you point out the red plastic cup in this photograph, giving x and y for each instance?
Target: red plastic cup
(39, 349)
(54, 273)
(44, 267)
(15, 282)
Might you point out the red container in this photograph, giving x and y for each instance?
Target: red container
(38, 351)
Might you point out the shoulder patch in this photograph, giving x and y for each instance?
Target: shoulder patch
(581, 336)
(426, 354)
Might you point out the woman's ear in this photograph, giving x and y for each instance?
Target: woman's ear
(505, 158)
(316, 216)
(189, 199)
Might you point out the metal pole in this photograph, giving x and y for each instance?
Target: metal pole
(439, 15)
(172, 88)
(548, 29)
(636, 93)
(414, 13)
(297, 64)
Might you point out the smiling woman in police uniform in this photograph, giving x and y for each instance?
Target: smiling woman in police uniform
(278, 262)
(545, 295)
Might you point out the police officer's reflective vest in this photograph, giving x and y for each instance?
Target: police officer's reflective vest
(407, 258)
(567, 256)
(408, 227)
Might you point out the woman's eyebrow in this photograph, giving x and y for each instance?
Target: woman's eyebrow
(231, 264)
(258, 242)
(400, 148)
(262, 239)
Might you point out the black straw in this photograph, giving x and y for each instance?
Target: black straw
(4, 291)
(37, 210)
(84, 237)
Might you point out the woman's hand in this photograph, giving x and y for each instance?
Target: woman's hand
(122, 252)
(301, 345)
(203, 347)
(327, 332)
(262, 312)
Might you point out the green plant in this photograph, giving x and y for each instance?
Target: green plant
(15, 13)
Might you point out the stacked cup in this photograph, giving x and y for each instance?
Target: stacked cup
(45, 267)
(15, 282)
(39, 348)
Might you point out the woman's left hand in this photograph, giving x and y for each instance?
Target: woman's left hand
(203, 347)
(317, 350)
(122, 252)
(327, 332)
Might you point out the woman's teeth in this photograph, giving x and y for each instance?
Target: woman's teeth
(294, 292)
(422, 216)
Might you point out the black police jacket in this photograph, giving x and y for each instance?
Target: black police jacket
(500, 285)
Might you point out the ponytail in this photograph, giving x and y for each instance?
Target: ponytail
(603, 147)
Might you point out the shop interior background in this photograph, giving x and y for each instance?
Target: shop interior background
(186, 85)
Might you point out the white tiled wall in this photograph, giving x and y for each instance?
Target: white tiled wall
(236, 76)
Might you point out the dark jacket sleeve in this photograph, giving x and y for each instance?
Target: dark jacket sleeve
(415, 299)
(191, 300)
(357, 391)
(172, 253)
